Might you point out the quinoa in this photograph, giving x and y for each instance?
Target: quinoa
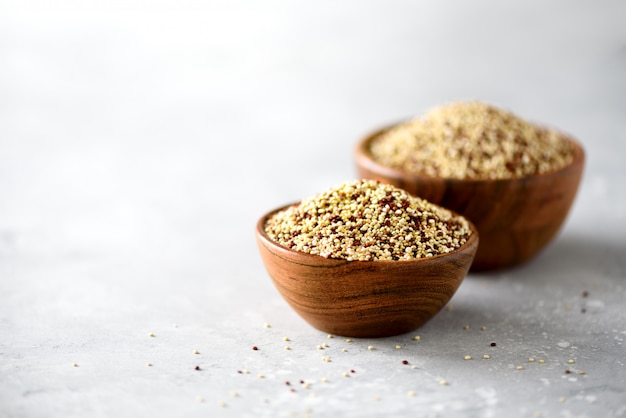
(367, 220)
(471, 140)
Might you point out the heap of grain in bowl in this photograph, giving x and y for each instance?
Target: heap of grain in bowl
(471, 140)
(367, 220)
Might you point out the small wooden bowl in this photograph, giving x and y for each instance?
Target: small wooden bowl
(515, 218)
(364, 298)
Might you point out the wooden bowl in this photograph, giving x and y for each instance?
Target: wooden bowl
(364, 298)
(515, 218)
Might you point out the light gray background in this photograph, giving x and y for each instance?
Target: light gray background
(141, 141)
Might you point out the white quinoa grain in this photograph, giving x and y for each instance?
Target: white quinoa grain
(471, 140)
(354, 221)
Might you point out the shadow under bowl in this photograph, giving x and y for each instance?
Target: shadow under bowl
(515, 218)
(364, 298)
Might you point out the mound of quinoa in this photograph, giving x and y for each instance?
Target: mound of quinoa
(367, 220)
(471, 140)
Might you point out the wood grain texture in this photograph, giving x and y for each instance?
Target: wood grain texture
(364, 298)
(515, 218)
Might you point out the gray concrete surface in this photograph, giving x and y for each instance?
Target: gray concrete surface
(140, 142)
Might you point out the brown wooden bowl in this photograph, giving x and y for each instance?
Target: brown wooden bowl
(515, 218)
(364, 298)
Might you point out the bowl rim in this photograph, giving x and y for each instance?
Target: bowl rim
(364, 158)
(314, 259)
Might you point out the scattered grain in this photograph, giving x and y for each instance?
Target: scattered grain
(411, 393)
(417, 338)
(531, 359)
(370, 347)
(467, 357)
(398, 347)
(486, 356)
(520, 367)
(151, 334)
(196, 352)
(570, 361)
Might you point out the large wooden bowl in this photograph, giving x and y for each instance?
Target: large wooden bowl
(364, 298)
(515, 218)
